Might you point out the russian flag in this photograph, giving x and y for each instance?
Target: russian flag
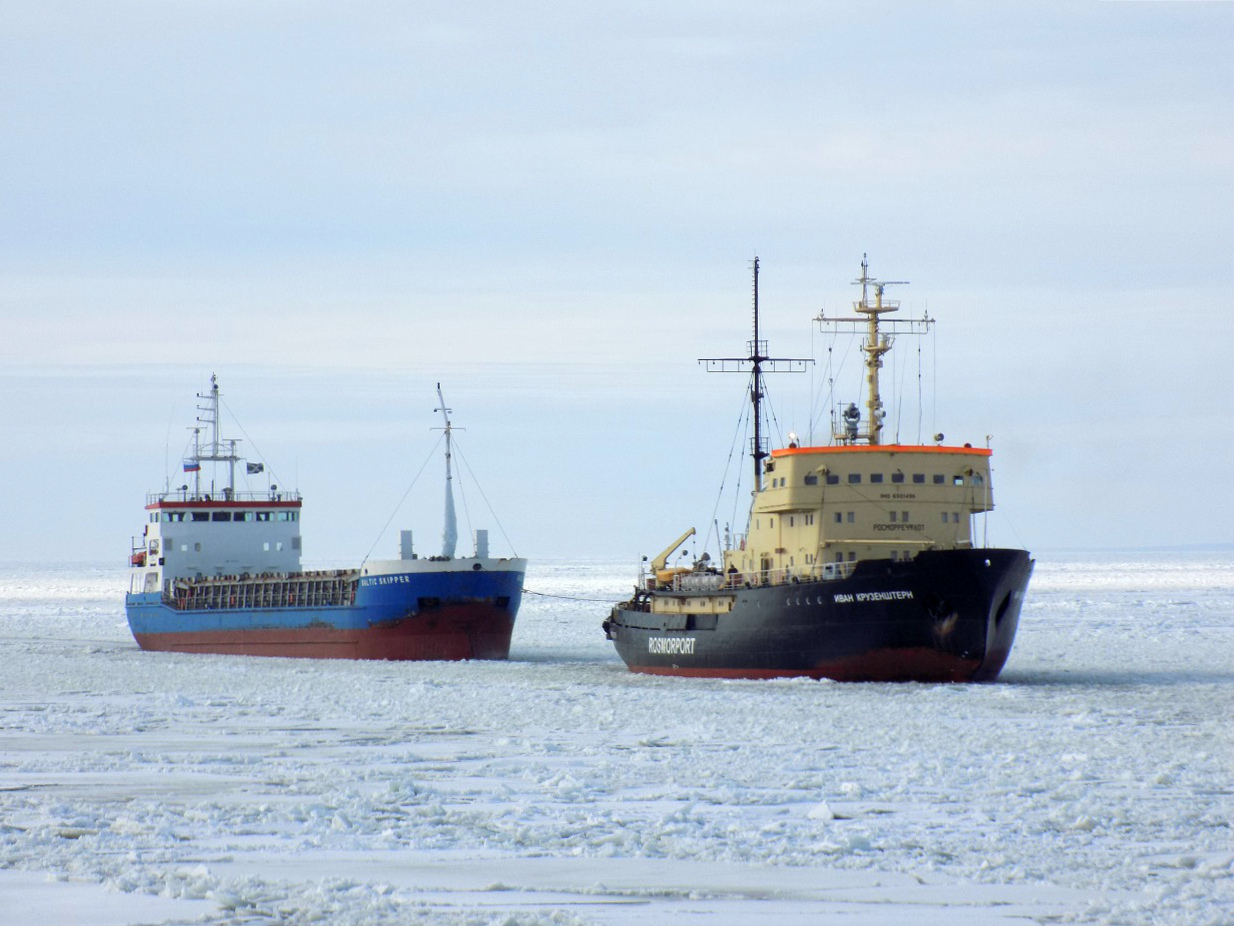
(192, 466)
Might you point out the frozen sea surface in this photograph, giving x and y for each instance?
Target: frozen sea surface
(1092, 784)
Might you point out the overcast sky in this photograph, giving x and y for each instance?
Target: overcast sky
(552, 208)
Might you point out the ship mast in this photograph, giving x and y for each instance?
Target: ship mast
(219, 450)
(757, 350)
(875, 346)
(449, 536)
(757, 359)
(877, 342)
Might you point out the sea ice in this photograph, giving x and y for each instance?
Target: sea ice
(1090, 784)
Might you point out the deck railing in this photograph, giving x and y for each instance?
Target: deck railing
(183, 496)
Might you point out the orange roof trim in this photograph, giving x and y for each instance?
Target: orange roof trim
(882, 448)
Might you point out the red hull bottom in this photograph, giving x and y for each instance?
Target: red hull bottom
(920, 664)
(437, 639)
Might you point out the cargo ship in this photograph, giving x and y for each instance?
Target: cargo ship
(859, 561)
(218, 570)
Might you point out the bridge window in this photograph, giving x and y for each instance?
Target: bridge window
(876, 477)
(220, 516)
(833, 479)
(854, 478)
(939, 479)
(897, 477)
(957, 480)
(977, 480)
(839, 517)
(811, 480)
(201, 516)
(918, 478)
(851, 517)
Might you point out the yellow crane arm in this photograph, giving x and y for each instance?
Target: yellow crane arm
(658, 563)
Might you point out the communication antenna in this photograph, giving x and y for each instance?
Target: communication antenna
(756, 362)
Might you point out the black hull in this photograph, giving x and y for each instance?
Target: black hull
(945, 616)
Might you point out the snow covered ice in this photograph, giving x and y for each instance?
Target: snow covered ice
(1091, 784)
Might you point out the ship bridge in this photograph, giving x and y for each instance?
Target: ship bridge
(841, 504)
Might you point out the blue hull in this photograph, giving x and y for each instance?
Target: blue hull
(415, 615)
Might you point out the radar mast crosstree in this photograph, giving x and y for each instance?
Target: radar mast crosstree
(755, 362)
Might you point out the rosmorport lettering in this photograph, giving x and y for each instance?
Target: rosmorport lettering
(671, 645)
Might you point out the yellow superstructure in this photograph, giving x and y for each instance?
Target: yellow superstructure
(823, 506)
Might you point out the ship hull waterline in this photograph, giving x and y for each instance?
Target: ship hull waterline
(946, 616)
(475, 632)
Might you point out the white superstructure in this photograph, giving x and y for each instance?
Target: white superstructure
(205, 529)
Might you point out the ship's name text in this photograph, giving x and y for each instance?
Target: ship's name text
(669, 645)
(385, 580)
(873, 596)
(899, 527)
